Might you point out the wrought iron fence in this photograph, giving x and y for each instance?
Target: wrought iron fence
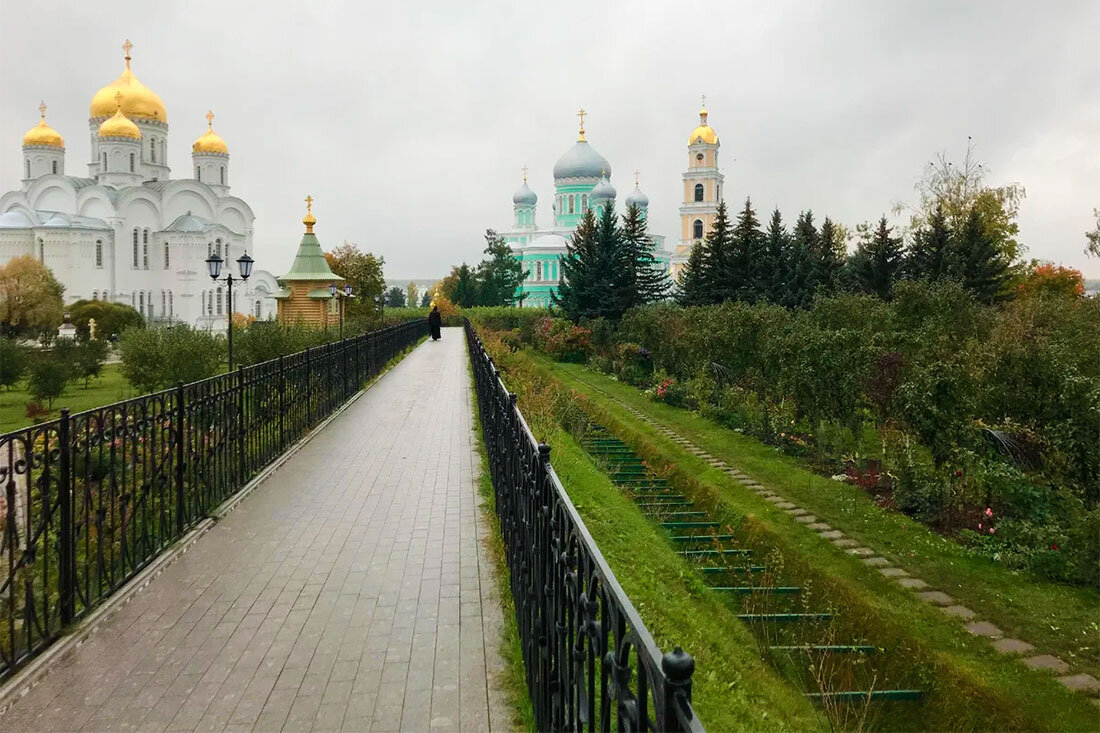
(90, 499)
(591, 663)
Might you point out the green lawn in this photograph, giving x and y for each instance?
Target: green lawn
(970, 678)
(109, 387)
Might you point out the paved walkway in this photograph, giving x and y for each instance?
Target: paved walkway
(349, 591)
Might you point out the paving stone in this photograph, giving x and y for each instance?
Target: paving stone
(861, 551)
(846, 542)
(1012, 646)
(833, 534)
(984, 628)
(959, 611)
(806, 518)
(778, 500)
(786, 504)
(876, 562)
(797, 512)
(357, 536)
(937, 597)
(893, 572)
(1047, 662)
(912, 583)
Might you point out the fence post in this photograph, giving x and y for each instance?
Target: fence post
(678, 667)
(181, 432)
(66, 575)
(240, 425)
(282, 391)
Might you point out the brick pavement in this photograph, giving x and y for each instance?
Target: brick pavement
(349, 591)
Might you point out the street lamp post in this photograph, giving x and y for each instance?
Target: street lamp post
(214, 266)
(380, 300)
(341, 294)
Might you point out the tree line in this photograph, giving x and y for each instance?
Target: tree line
(493, 282)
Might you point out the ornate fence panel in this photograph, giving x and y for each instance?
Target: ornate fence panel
(591, 663)
(90, 499)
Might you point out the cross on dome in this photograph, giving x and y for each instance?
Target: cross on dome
(524, 169)
(42, 109)
(126, 48)
(210, 119)
(581, 114)
(309, 220)
(636, 174)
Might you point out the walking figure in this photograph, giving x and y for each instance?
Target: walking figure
(434, 322)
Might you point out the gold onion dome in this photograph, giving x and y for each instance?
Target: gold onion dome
(703, 132)
(210, 141)
(141, 102)
(43, 134)
(118, 125)
(309, 220)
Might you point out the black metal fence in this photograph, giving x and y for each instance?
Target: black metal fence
(90, 499)
(591, 663)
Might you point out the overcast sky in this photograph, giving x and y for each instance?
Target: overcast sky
(409, 122)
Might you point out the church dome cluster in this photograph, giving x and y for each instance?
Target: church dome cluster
(118, 125)
(581, 161)
(42, 134)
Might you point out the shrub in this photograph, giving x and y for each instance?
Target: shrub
(13, 362)
(90, 356)
(265, 340)
(49, 374)
(111, 319)
(36, 411)
(158, 358)
(562, 340)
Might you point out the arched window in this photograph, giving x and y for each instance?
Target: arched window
(105, 162)
(135, 248)
(572, 210)
(95, 295)
(99, 254)
(171, 309)
(54, 165)
(209, 302)
(28, 167)
(698, 192)
(218, 302)
(538, 270)
(145, 249)
(167, 260)
(223, 175)
(163, 303)
(152, 150)
(584, 202)
(141, 303)
(131, 162)
(218, 247)
(256, 305)
(198, 174)
(697, 229)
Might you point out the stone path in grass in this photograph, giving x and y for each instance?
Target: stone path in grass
(1027, 652)
(349, 591)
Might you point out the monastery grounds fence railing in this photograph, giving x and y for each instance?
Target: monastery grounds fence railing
(90, 499)
(585, 648)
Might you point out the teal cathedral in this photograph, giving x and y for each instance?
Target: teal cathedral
(582, 181)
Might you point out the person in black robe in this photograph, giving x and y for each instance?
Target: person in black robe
(434, 322)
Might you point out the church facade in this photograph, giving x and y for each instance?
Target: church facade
(128, 232)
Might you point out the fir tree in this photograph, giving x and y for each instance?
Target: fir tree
(466, 287)
(718, 281)
(977, 262)
(929, 256)
(776, 245)
(689, 286)
(744, 277)
(878, 261)
(647, 280)
(592, 270)
(577, 269)
(830, 263)
(802, 269)
(500, 275)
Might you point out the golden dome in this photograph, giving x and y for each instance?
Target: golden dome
(141, 102)
(309, 219)
(210, 142)
(43, 134)
(704, 131)
(119, 125)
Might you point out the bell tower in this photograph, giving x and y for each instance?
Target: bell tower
(702, 186)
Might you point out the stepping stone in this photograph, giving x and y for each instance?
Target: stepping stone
(912, 583)
(797, 512)
(937, 597)
(846, 542)
(1081, 682)
(984, 628)
(834, 534)
(785, 504)
(893, 572)
(1012, 646)
(960, 611)
(806, 518)
(1048, 662)
(778, 500)
(876, 562)
(861, 551)
(820, 527)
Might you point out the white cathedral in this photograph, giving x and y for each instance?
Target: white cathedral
(128, 232)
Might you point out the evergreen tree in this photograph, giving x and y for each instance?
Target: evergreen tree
(580, 271)
(612, 288)
(689, 285)
(776, 245)
(878, 262)
(464, 293)
(744, 278)
(977, 262)
(717, 279)
(929, 257)
(801, 263)
(830, 262)
(646, 281)
(500, 275)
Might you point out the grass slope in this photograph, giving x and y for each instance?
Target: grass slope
(110, 387)
(1059, 618)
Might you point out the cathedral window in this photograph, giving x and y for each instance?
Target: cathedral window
(223, 175)
(145, 250)
(218, 302)
(167, 259)
(131, 162)
(584, 202)
(697, 229)
(28, 167)
(571, 208)
(141, 303)
(104, 162)
(256, 305)
(171, 310)
(218, 247)
(198, 174)
(163, 303)
(135, 248)
(99, 254)
(54, 166)
(152, 150)
(538, 270)
(698, 192)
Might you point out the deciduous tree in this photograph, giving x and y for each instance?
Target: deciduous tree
(30, 298)
(363, 270)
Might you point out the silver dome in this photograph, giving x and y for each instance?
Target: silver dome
(524, 196)
(581, 161)
(637, 198)
(602, 191)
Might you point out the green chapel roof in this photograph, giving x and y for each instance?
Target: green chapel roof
(310, 262)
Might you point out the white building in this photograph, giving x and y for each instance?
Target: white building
(128, 232)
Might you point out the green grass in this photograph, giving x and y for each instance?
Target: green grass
(109, 387)
(1057, 618)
